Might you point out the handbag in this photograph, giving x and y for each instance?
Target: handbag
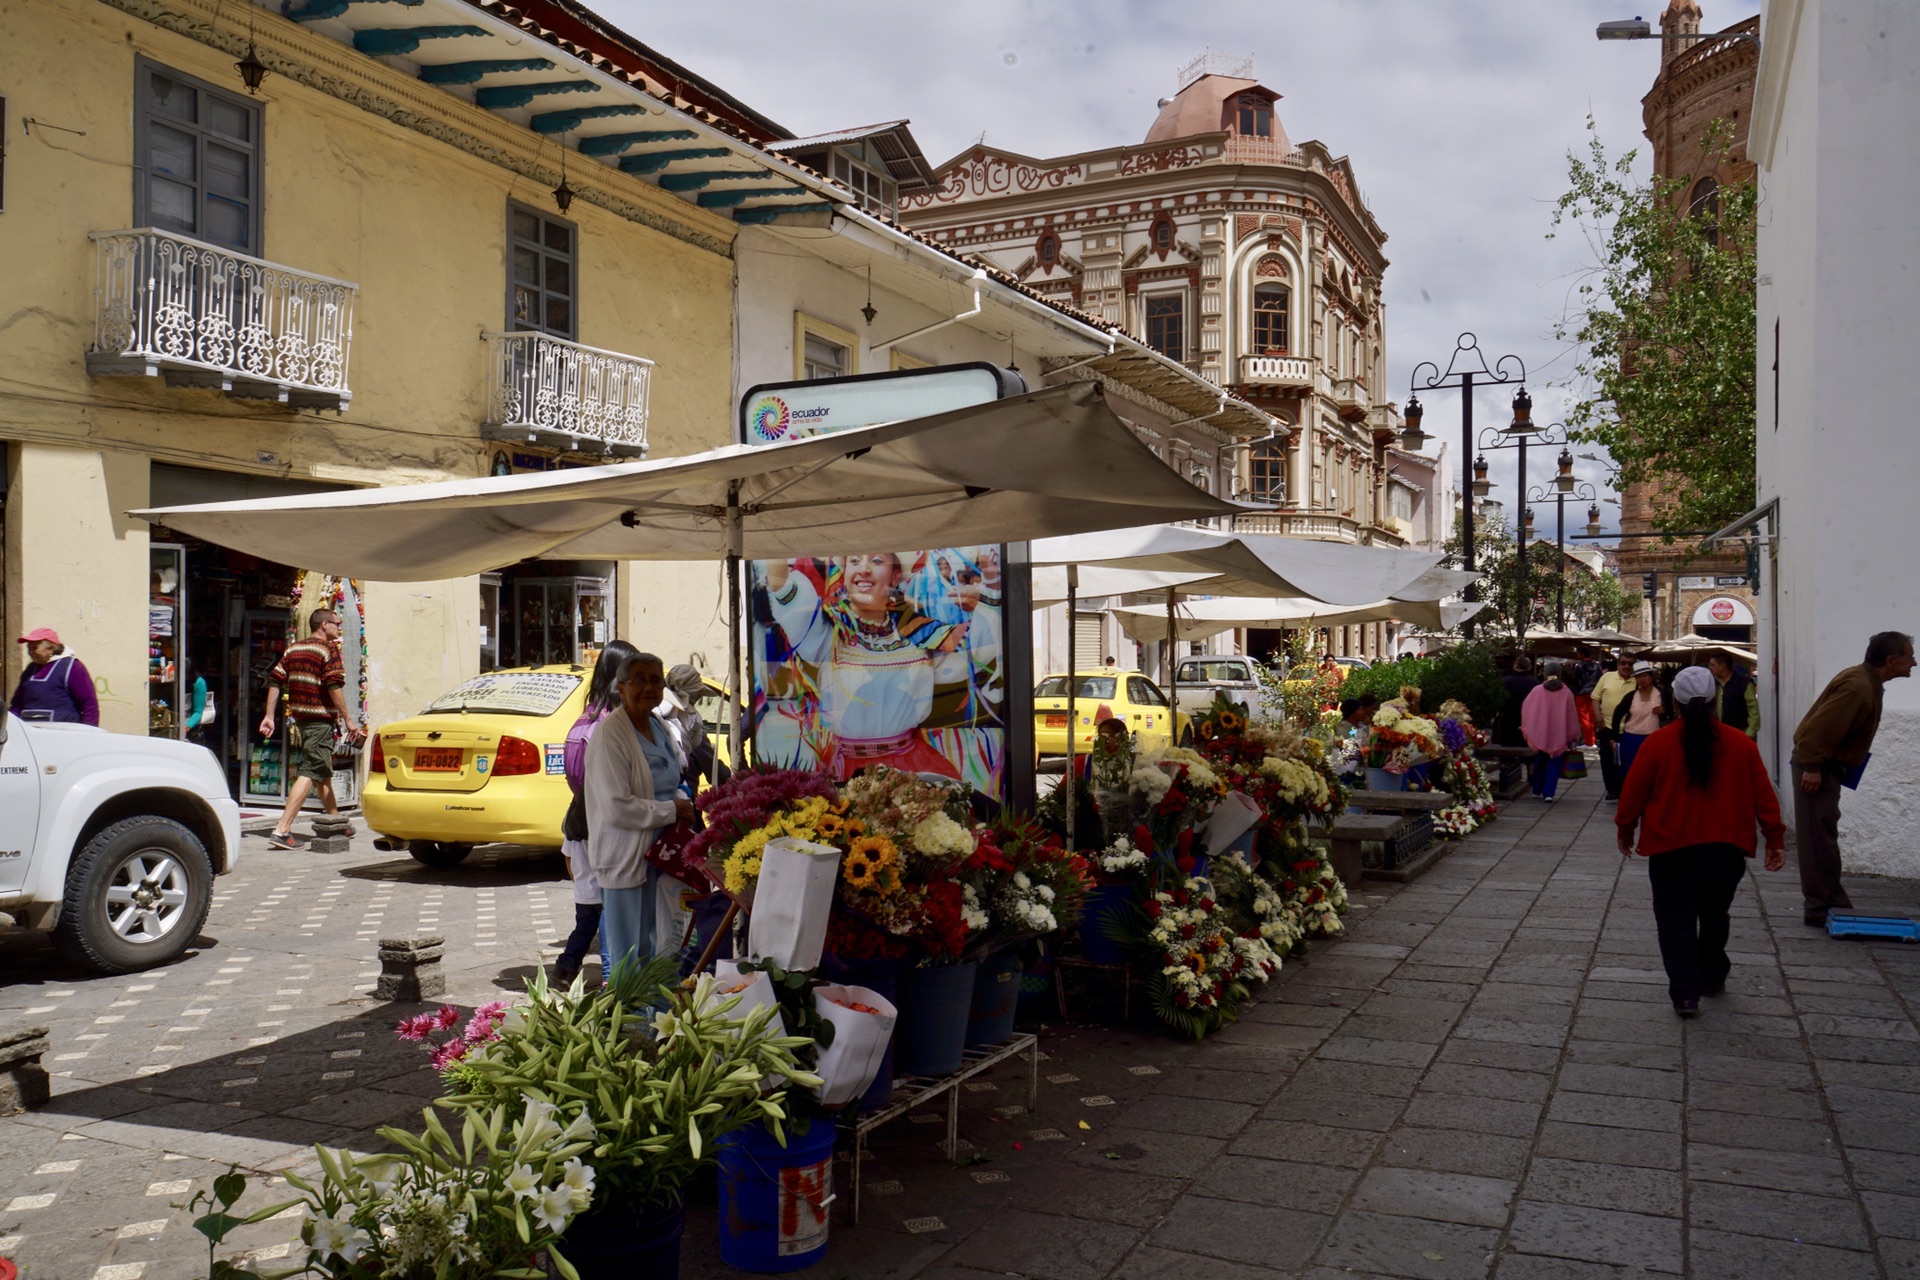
(573, 826)
(209, 713)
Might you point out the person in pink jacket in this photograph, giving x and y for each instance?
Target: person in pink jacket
(1550, 722)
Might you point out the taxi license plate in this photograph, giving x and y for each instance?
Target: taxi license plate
(437, 759)
(1056, 722)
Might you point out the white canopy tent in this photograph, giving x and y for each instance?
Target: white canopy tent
(1047, 463)
(1199, 619)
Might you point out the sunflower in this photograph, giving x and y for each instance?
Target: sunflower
(871, 863)
(830, 826)
(858, 868)
(1231, 723)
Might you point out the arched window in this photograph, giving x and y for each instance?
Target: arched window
(1162, 234)
(1267, 472)
(1703, 205)
(1046, 250)
(1270, 302)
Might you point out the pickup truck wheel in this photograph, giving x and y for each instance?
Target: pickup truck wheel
(438, 853)
(137, 894)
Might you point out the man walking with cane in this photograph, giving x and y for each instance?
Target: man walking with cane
(1830, 750)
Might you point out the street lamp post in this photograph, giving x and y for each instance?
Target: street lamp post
(1522, 432)
(1461, 377)
(1566, 486)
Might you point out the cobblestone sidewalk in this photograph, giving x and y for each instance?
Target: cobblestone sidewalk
(1484, 1079)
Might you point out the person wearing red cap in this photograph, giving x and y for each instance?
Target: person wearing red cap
(55, 685)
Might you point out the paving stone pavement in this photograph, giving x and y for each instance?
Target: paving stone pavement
(1484, 1079)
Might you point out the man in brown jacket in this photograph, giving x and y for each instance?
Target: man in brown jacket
(1832, 742)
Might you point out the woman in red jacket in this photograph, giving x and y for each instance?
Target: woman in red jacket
(1697, 792)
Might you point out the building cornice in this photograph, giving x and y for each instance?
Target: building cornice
(327, 67)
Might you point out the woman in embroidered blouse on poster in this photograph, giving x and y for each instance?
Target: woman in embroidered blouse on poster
(877, 660)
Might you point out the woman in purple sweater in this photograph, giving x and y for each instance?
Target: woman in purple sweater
(55, 685)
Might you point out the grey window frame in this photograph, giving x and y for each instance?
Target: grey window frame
(256, 194)
(1267, 472)
(1179, 319)
(515, 325)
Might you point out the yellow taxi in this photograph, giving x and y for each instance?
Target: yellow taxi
(1101, 694)
(485, 763)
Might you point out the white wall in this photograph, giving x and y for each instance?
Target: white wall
(1837, 135)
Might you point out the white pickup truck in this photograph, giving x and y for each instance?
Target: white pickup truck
(110, 842)
(1202, 677)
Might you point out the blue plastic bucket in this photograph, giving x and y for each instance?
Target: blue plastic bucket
(930, 1039)
(775, 1201)
(1107, 908)
(996, 997)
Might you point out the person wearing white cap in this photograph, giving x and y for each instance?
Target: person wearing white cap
(1697, 792)
(1640, 713)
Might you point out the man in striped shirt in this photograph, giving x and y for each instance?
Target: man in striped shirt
(312, 676)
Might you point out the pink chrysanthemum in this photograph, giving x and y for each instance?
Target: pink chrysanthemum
(448, 1054)
(447, 1018)
(416, 1027)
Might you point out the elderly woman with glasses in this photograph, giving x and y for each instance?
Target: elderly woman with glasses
(633, 774)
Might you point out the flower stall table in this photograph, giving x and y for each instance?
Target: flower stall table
(1513, 763)
(914, 1091)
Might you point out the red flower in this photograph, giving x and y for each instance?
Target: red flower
(1287, 886)
(1186, 931)
(1153, 908)
(1143, 839)
(1185, 864)
(1180, 897)
(1206, 904)
(1183, 844)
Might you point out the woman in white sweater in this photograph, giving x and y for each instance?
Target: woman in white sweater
(632, 794)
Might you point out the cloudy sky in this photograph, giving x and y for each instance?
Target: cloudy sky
(1458, 115)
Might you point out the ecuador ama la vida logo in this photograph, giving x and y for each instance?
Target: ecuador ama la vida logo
(769, 420)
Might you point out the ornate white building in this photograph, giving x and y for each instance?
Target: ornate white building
(1223, 245)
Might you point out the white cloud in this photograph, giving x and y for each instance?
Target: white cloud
(1458, 115)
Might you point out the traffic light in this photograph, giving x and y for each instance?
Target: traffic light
(1649, 585)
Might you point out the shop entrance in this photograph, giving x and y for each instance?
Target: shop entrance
(545, 611)
(217, 623)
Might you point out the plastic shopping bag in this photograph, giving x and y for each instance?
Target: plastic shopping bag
(860, 1039)
(790, 905)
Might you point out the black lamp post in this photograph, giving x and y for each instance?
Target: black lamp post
(1462, 377)
(1565, 486)
(1523, 431)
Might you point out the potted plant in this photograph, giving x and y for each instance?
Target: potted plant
(657, 1094)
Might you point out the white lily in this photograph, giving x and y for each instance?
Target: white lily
(553, 1208)
(522, 1181)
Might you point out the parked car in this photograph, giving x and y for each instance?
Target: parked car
(1098, 695)
(485, 763)
(110, 841)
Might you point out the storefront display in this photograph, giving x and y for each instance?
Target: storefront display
(543, 612)
(168, 693)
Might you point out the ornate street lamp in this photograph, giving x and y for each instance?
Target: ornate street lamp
(1412, 438)
(1481, 485)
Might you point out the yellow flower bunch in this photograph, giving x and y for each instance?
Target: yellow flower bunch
(806, 820)
(872, 865)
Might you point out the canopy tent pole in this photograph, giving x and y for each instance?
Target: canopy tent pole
(1073, 681)
(738, 693)
(1173, 668)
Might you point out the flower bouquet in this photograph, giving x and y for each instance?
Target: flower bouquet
(1026, 881)
(1399, 741)
(907, 845)
(753, 807)
(1201, 965)
(1174, 791)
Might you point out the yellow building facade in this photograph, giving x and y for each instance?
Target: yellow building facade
(347, 192)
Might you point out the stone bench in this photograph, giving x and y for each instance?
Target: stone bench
(1347, 832)
(1512, 762)
(1402, 801)
(23, 1081)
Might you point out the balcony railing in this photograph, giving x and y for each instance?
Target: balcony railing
(1350, 397)
(1276, 371)
(200, 315)
(546, 389)
(1300, 524)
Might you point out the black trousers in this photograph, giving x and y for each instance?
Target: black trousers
(1609, 765)
(1692, 891)
(586, 924)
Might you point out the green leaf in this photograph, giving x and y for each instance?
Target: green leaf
(216, 1226)
(229, 1187)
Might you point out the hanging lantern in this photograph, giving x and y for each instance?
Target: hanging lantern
(1522, 424)
(252, 70)
(1564, 481)
(1593, 521)
(1481, 485)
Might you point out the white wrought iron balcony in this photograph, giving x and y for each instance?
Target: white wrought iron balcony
(542, 389)
(1276, 371)
(202, 316)
(1300, 524)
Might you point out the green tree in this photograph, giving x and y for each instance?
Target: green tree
(1592, 600)
(1663, 327)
